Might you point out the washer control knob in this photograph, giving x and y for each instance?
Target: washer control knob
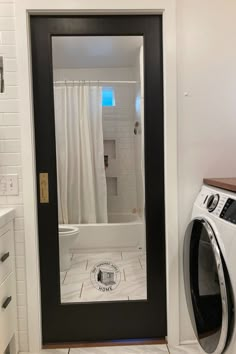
(212, 202)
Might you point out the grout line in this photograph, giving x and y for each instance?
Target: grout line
(69, 351)
(86, 268)
(124, 275)
(168, 348)
(64, 278)
(82, 287)
(140, 262)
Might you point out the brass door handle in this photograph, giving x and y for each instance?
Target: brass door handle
(43, 187)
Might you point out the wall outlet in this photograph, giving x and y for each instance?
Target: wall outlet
(9, 185)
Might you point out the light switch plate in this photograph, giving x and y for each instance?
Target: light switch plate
(9, 185)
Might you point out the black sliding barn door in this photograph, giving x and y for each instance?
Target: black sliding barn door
(99, 321)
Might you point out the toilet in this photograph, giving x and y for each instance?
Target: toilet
(68, 235)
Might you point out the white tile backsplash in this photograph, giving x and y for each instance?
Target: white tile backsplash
(10, 64)
(19, 236)
(10, 155)
(20, 274)
(10, 92)
(8, 133)
(13, 159)
(20, 262)
(9, 51)
(20, 312)
(6, 107)
(7, 10)
(7, 24)
(11, 77)
(8, 37)
(20, 249)
(20, 287)
(19, 224)
(10, 146)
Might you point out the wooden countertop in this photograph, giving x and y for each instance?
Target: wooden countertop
(224, 183)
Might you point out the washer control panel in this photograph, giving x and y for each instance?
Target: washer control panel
(221, 204)
(212, 202)
(228, 212)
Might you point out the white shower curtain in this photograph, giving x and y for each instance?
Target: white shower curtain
(82, 191)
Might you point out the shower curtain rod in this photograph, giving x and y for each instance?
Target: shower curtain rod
(94, 82)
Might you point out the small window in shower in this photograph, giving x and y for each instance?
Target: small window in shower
(108, 97)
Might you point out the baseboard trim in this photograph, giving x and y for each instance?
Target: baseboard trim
(114, 343)
(189, 342)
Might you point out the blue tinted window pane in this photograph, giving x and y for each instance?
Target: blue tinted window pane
(108, 96)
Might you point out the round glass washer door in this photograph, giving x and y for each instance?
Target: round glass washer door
(207, 287)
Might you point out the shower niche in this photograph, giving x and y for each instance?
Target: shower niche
(110, 149)
(100, 167)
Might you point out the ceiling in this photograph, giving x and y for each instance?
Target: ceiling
(95, 52)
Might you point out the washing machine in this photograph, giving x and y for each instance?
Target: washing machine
(210, 270)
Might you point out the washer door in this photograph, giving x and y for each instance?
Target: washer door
(207, 287)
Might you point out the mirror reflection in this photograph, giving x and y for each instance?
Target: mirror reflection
(98, 103)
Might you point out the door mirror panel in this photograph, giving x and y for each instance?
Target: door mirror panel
(99, 126)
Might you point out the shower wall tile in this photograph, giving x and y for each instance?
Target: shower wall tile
(10, 156)
(118, 125)
(139, 117)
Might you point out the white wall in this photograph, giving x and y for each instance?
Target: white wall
(206, 32)
(10, 153)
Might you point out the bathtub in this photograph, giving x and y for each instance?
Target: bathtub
(121, 231)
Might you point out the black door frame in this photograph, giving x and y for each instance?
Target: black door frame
(153, 311)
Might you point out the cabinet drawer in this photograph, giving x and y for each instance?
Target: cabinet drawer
(7, 314)
(6, 261)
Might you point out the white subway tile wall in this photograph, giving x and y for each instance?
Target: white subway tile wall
(10, 154)
(118, 126)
